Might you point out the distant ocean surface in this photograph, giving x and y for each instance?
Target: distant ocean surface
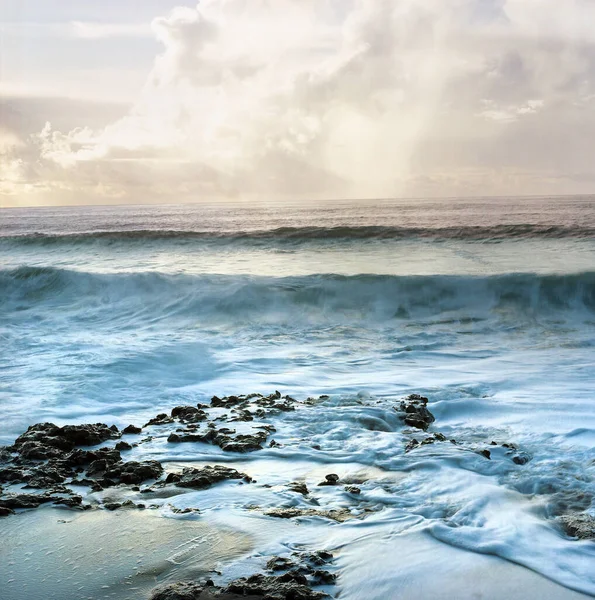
(486, 306)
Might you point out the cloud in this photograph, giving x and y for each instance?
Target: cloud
(93, 31)
(362, 98)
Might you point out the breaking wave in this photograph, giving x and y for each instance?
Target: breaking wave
(304, 234)
(304, 297)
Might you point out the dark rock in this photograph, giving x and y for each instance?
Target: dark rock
(299, 487)
(330, 479)
(176, 438)
(353, 489)
(278, 563)
(486, 453)
(290, 586)
(188, 414)
(183, 590)
(67, 437)
(324, 577)
(205, 477)
(319, 558)
(133, 472)
(71, 501)
(13, 501)
(242, 443)
(123, 446)
(411, 444)
(132, 430)
(160, 419)
(521, 459)
(4, 511)
(416, 414)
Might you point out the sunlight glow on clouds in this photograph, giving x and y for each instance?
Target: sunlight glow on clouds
(310, 99)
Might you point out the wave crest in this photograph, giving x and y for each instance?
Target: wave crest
(331, 297)
(304, 234)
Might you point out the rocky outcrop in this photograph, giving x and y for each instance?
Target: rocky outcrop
(416, 413)
(579, 525)
(200, 479)
(288, 579)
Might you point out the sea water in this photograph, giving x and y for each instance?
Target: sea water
(486, 306)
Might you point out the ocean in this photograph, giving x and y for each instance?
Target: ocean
(486, 306)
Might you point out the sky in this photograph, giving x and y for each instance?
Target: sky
(144, 101)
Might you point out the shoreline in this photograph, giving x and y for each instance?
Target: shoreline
(300, 502)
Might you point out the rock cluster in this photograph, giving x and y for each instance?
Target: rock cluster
(287, 579)
(416, 412)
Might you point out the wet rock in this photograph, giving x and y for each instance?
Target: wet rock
(579, 525)
(242, 443)
(120, 446)
(80, 457)
(322, 577)
(188, 414)
(45, 478)
(48, 435)
(340, 515)
(299, 486)
(278, 563)
(184, 511)
(229, 443)
(290, 586)
(132, 430)
(176, 438)
(486, 453)
(133, 472)
(411, 445)
(353, 489)
(160, 419)
(14, 474)
(13, 501)
(5, 511)
(319, 558)
(416, 413)
(70, 501)
(205, 477)
(183, 590)
(330, 479)
(521, 459)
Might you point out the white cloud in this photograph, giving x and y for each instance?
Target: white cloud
(93, 30)
(383, 97)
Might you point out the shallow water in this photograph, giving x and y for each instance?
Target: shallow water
(485, 306)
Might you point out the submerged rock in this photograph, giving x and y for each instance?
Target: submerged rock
(340, 514)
